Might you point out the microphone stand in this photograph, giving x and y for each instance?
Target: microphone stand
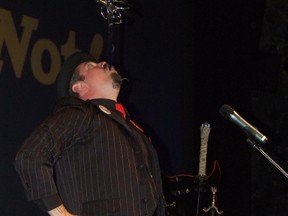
(256, 146)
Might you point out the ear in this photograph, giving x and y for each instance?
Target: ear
(80, 88)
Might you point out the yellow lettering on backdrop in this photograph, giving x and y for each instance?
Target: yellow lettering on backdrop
(17, 49)
(69, 47)
(44, 77)
(96, 46)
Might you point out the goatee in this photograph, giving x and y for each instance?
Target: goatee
(117, 80)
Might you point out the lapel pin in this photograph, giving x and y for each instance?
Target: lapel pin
(105, 109)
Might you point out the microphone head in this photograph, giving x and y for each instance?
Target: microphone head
(225, 110)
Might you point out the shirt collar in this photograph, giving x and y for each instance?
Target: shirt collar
(105, 102)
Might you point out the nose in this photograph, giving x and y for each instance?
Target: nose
(104, 65)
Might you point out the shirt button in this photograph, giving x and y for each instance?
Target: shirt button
(141, 166)
(145, 200)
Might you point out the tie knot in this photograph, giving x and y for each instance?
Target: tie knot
(121, 109)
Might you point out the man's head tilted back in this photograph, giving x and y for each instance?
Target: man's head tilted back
(82, 76)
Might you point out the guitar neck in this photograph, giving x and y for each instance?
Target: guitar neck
(204, 135)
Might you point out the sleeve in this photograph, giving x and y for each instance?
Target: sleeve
(35, 159)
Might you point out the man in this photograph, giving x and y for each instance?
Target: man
(88, 158)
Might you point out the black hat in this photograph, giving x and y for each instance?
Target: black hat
(67, 70)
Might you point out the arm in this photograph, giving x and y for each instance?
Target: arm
(39, 153)
(36, 158)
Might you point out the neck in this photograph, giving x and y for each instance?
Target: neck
(99, 96)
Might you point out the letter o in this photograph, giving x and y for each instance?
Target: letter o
(49, 77)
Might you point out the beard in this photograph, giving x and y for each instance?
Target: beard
(117, 80)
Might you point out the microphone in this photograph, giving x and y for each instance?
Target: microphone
(229, 113)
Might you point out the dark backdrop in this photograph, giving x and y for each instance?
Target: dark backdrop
(184, 60)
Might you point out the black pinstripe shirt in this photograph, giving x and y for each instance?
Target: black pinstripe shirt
(88, 157)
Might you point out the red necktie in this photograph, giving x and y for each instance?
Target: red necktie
(121, 109)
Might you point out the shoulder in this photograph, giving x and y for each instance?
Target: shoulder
(72, 103)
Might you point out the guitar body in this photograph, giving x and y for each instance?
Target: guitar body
(188, 195)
